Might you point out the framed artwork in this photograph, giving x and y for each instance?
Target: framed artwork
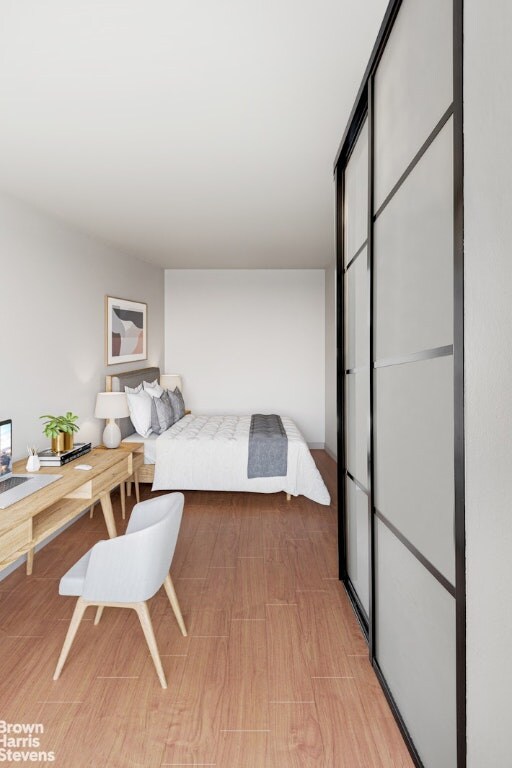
(125, 331)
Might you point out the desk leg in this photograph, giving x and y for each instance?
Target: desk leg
(108, 514)
(30, 561)
(129, 487)
(136, 483)
(123, 500)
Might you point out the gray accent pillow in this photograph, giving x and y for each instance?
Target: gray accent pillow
(162, 414)
(177, 403)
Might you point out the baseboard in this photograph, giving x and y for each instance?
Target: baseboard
(331, 454)
(323, 447)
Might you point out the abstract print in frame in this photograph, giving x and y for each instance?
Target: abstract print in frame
(126, 330)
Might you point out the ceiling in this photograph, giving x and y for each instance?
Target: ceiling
(192, 134)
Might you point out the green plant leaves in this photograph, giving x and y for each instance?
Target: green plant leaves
(56, 424)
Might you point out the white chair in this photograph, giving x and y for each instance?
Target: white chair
(126, 571)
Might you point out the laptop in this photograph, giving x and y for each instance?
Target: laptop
(13, 488)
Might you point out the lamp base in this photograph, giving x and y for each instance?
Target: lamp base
(111, 435)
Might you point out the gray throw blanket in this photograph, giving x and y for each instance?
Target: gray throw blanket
(268, 447)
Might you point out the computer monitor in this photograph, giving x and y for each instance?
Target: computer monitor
(5, 447)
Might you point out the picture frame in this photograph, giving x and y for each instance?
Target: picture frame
(125, 331)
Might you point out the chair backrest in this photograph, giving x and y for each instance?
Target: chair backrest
(133, 567)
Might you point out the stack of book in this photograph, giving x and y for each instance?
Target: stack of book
(49, 458)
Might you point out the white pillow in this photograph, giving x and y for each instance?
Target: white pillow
(139, 405)
(153, 388)
(133, 390)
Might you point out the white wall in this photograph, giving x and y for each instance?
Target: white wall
(488, 366)
(52, 286)
(249, 341)
(331, 422)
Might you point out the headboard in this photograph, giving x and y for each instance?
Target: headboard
(117, 382)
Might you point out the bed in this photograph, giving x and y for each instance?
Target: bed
(211, 452)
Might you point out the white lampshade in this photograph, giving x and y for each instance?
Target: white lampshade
(171, 381)
(111, 405)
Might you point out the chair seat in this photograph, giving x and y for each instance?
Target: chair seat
(72, 583)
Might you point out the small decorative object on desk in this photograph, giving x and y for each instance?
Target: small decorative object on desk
(33, 462)
(49, 458)
(61, 430)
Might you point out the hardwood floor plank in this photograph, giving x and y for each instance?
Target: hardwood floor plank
(281, 523)
(268, 621)
(289, 679)
(381, 722)
(242, 750)
(194, 730)
(199, 555)
(353, 639)
(244, 704)
(250, 597)
(134, 718)
(325, 549)
(225, 554)
(303, 564)
(343, 721)
(322, 630)
(279, 579)
(210, 613)
(295, 740)
(219, 588)
(31, 605)
(251, 536)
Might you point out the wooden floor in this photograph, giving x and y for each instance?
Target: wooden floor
(274, 673)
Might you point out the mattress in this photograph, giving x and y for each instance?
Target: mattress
(211, 453)
(149, 446)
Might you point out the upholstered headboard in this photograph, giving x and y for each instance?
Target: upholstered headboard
(117, 382)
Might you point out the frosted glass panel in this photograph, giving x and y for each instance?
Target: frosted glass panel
(413, 259)
(415, 632)
(356, 196)
(357, 332)
(357, 541)
(414, 486)
(413, 87)
(357, 398)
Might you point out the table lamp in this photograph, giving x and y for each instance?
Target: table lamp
(171, 381)
(111, 406)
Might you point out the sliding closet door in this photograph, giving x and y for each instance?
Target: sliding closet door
(415, 626)
(402, 388)
(357, 369)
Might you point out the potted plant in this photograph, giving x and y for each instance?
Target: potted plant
(60, 430)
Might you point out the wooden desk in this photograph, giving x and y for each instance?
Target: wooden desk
(31, 520)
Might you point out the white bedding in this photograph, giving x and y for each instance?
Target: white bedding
(211, 452)
(149, 445)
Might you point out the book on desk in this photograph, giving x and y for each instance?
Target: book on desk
(49, 458)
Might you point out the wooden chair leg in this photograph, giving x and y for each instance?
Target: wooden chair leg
(99, 612)
(78, 613)
(288, 497)
(129, 487)
(171, 594)
(147, 628)
(91, 511)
